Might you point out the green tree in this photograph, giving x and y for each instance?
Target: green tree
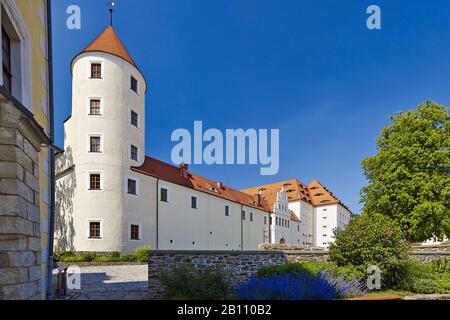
(369, 240)
(409, 177)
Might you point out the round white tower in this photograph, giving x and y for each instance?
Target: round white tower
(105, 137)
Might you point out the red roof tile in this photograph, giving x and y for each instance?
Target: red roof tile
(170, 173)
(108, 42)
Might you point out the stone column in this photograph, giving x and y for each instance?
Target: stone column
(20, 243)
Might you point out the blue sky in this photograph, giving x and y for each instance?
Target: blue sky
(310, 68)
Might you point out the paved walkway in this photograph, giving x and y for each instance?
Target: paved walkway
(119, 282)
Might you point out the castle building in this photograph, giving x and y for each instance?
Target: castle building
(26, 152)
(110, 196)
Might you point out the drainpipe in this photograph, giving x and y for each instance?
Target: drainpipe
(157, 213)
(51, 151)
(242, 229)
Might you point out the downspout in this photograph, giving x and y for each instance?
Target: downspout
(51, 150)
(242, 228)
(157, 214)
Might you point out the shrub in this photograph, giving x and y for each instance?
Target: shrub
(128, 257)
(115, 255)
(87, 256)
(185, 282)
(297, 286)
(313, 268)
(441, 266)
(141, 253)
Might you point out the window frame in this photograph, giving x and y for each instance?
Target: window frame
(130, 155)
(227, 210)
(88, 229)
(131, 118)
(132, 77)
(88, 178)
(130, 231)
(89, 99)
(194, 202)
(161, 187)
(102, 71)
(135, 186)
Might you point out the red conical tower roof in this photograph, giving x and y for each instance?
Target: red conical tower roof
(108, 42)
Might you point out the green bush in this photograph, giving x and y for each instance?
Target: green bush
(441, 266)
(88, 256)
(313, 268)
(115, 255)
(128, 257)
(186, 282)
(141, 253)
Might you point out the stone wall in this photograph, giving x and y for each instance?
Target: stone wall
(241, 264)
(20, 243)
(431, 253)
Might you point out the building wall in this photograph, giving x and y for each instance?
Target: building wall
(327, 219)
(110, 205)
(305, 212)
(29, 20)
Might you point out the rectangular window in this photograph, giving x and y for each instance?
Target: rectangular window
(134, 118)
(6, 56)
(94, 107)
(251, 216)
(227, 211)
(96, 70)
(94, 181)
(134, 153)
(265, 220)
(298, 227)
(94, 144)
(243, 214)
(163, 194)
(94, 230)
(134, 84)
(276, 221)
(134, 232)
(131, 186)
(194, 202)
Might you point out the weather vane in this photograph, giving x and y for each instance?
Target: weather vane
(111, 9)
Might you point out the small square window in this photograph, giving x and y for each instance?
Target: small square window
(94, 144)
(164, 195)
(227, 211)
(134, 118)
(134, 232)
(132, 186)
(94, 230)
(194, 202)
(94, 181)
(134, 153)
(134, 84)
(96, 70)
(94, 107)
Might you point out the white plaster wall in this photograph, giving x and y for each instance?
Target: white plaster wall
(305, 212)
(112, 206)
(328, 218)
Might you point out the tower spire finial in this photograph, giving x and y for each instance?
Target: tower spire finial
(111, 9)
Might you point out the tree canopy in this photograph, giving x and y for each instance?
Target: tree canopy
(409, 177)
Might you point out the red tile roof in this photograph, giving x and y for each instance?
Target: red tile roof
(314, 193)
(159, 169)
(108, 42)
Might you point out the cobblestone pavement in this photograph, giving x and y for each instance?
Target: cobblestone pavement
(120, 282)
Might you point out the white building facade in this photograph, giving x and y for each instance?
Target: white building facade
(111, 197)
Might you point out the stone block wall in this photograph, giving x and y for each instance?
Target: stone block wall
(241, 264)
(20, 243)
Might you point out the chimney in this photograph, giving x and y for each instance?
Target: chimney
(183, 170)
(219, 185)
(258, 197)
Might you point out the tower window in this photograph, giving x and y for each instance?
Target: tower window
(94, 181)
(94, 144)
(96, 70)
(134, 84)
(6, 56)
(134, 118)
(134, 232)
(94, 107)
(131, 186)
(194, 202)
(164, 195)
(134, 153)
(94, 230)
